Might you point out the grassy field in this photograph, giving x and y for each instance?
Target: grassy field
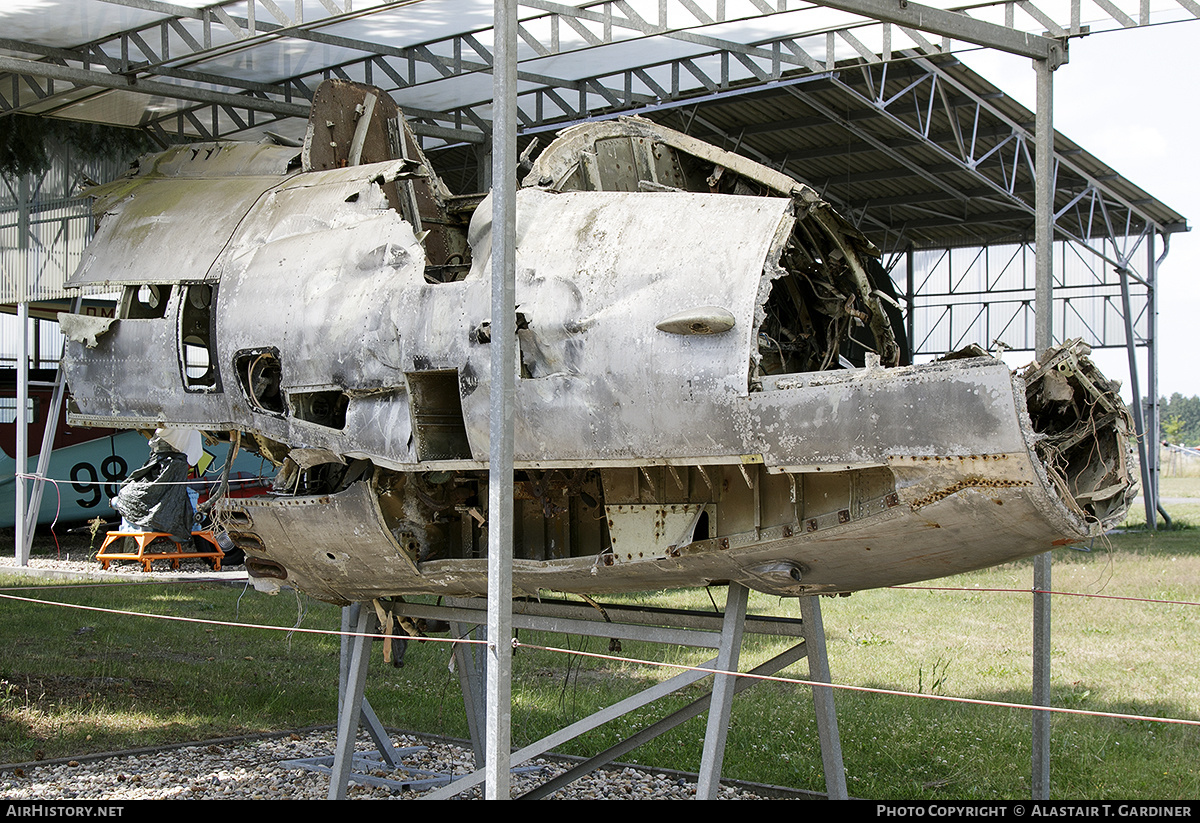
(75, 681)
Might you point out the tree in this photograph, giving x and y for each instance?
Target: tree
(26, 143)
(1180, 418)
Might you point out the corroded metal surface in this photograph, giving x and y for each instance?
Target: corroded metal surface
(709, 390)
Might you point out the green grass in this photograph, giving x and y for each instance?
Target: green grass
(74, 681)
(1184, 514)
(1181, 486)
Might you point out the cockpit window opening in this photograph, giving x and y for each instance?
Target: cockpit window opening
(145, 301)
(197, 353)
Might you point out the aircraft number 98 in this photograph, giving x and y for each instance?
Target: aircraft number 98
(86, 480)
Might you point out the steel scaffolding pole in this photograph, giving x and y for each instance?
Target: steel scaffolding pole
(21, 419)
(1149, 498)
(910, 295)
(38, 486)
(1044, 333)
(1152, 424)
(670, 627)
(21, 537)
(827, 726)
(500, 432)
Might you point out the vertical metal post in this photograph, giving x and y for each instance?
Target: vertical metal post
(483, 159)
(344, 655)
(1139, 424)
(22, 539)
(911, 297)
(1152, 423)
(503, 389)
(827, 728)
(1043, 208)
(719, 709)
(1044, 339)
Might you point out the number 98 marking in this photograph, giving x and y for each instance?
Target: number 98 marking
(86, 480)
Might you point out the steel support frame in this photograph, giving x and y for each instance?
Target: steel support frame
(1150, 450)
(1003, 172)
(721, 705)
(22, 538)
(354, 710)
(185, 36)
(672, 627)
(818, 672)
(352, 679)
(1147, 445)
(1004, 316)
(38, 487)
(370, 721)
(170, 47)
(470, 664)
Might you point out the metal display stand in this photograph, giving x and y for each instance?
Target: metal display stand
(353, 707)
(722, 632)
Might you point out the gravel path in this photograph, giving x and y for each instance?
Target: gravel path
(73, 558)
(259, 770)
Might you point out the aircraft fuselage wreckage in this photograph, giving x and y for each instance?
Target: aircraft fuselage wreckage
(710, 384)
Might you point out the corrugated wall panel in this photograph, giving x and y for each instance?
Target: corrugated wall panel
(42, 239)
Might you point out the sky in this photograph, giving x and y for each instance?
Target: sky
(1129, 98)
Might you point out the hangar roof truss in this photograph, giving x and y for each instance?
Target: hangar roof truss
(864, 100)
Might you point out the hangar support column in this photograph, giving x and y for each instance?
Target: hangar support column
(500, 433)
(1044, 339)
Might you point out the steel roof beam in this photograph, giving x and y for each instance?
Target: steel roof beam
(907, 17)
(604, 23)
(957, 26)
(248, 32)
(88, 77)
(85, 78)
(1016, 160)
(1063, 164)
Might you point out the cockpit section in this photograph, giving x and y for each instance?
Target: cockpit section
(352, 124)
(826, 302)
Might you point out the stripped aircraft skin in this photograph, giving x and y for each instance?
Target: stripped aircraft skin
(710, 384)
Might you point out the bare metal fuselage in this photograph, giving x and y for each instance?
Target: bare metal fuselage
(681, 417)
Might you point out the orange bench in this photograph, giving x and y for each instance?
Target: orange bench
(145, 539)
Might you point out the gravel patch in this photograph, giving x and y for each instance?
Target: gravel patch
(78, 564)
(258, 770)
